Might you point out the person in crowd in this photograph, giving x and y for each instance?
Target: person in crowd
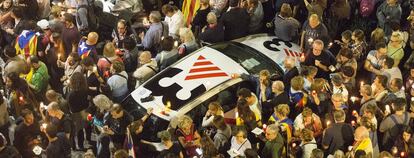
(70, 34)
(248, 118)
(207, 147)
(346, 39)
(55, 52)
(255, 10)
(338, 134)
(55, 116)
(189, 137)
(26, 134)
(235, 21)
(53, 96)
(274, 142)
(315, 7)
(170, 146)
(405, 141)
(200, 18)
(367, 97)
(349, 78)
(189, 44)
(223, 133)
(281, 115)
(121, 153)
(371, 127)
(214, 110)
(389, 11)
(389, 70)
(252, 101)
(308, 143)
(308, 73)
(286, 26)
(104, 64)
(147, 68)
(122, 31)
(17, 14)
(114, 130)
(92, 75)
(359, 45)
(321, 58)
(298, 98)
(239, 141)
(38, 78)
(312, 30)
(77, 98)
(131, 54)
(86, 46)
(379, 88)
(20, 95)
(157, 29)
(290, 70)
(346, 58)
(118, 81)
(4, 118)
(174, 18)
(339, 87)
(395, 49)
(213, 32)
(362, 142)
(14, 64)
(308, 120)
(7, 150)
(400, 116)
(395, 87)
(409, 82)
(59, 145)
(218, 6)
(377, 36)
(280, 96)
(375, 58)
(168, 54)
(71, 66)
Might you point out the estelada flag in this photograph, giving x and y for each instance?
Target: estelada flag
(84, 49)
(26, 43)
(189, 9)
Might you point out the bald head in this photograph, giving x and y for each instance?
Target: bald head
(92, 38)
(361, 133)
(145, 57)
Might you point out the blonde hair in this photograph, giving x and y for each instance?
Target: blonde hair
(185, 121)
(286, 10)
(109, 50)
(211, 18)
(214, 106)
(186, 34)
(283, 109)
(297, 83)
(377, 35)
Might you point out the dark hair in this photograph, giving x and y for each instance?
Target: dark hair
(360, 154)
(219, 123)
(408, 129)
(129, 43)
(359, 34)
(25, 112)
(244, 93)
(118, 66)
(380, 45)
(348, 71)
(233, 3)
(167, 8)
(251, 153)
(389, 62)
(244, 111)
(346, 52)
(9, 51)
(17, 11)
(167, 44)
(398, 82)
(18, 83)
(51, 130)
(399, 104)
(69, 18)
(88, 61)
(383, 80)
(78, 82)
(75, 56)
(347, 34)
(34, 59)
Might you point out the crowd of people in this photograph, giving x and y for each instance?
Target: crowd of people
(68, 65)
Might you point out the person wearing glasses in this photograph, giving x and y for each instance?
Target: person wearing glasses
(239, 141)
(395, 47)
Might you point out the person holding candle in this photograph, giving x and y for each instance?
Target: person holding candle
(338, 135)
(25, 135)
(280, 96)
(38, 78)
(20, 94)
(321, 58)
(339, 87)
(405, 141)
(362, 141)
(308, 120)
(313, 29)
(309, 73)
(252, 102)
(188, 136)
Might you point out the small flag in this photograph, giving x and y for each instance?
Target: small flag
(26, 43)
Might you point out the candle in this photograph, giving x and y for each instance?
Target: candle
(264, 127)
(162, 38)
(310, 40)
(412, 98)
(330, 44)
(402, 154)
(176, 44)
(237, 114)
(302, 56)
(21, 98)
(403, 88)
(59, 55)
(328, 123)
(168, 104)
(353, 123)
(314, 92)
(387, 108)
(353, 99)
(44, 125)
(293, 145)
(95, 68)
(362, 83)
(354, 112)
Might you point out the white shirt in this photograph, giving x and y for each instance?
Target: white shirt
(255, 107)
(392, 73)
(175, 22)
(240, 147)
(341, 89)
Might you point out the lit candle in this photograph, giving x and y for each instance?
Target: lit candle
(354, 112)
(328, 123)
(353, 123)
(310, 40)
(314, 92)
(387, 108)
(176, 44)
(402, 154)
(60, 4)
(95, 68)
(237, 114)
(44, 125)
(330, 44)
(362, 83)
(412, 98)
(394, 150)
(21, 98)
(302, 56)
(403, 88)
(168, 104)
(293, 145)
(264, 127)
(353, 99)
(162, 38)
(59, 55)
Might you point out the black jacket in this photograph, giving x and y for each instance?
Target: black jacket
(236, 23)
(213, 34)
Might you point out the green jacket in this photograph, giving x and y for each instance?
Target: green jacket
(40, 78)
(273, 148)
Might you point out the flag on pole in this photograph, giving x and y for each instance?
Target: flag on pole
(189, 9)
(130, 145)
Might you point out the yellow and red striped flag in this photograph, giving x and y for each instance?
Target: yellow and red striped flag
(189, 9)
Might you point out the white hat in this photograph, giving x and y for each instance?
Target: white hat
(43, 24)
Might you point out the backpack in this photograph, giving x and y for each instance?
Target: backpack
(93, 22)
(394, 132)
(366, 7)
(298, 151)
